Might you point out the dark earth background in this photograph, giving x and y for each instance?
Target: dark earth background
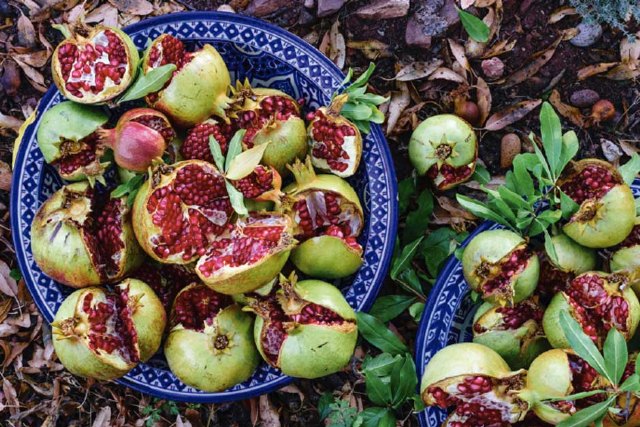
(399, 36)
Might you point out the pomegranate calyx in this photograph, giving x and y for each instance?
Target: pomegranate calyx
(303, 172)
(337, 103)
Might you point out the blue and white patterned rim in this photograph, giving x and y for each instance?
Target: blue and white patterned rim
(448, 317)
(315, 76)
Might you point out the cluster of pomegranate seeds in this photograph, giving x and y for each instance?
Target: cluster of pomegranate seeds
(511, 265)
(632, 239)
(473, 386)
(514, 317)
(196, 144)
(593, 182)
(108, 229)
(198, 306)
(449, 173)
(87, 68)
(475, 414)
(552, 280)
(329, 138)
(169, 51)
(320, 213)
(158, 124)
(243, 245)
(208, 211)
(78, 154)
(256, 183)
(165, 280)
(271, 108)
(583, 378)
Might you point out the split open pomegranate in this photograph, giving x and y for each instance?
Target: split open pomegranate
(196, 144)
(180, 209)
(94, 64)
(306, 328)
(263, 184)
(103, 335)
(249, 254)
(82, 238)
(210, 344)
(166, 280)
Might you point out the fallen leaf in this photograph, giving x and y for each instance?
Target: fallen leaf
(473, 48)
(610, 150)
(537, 61)
(35, 59)
(268, 414)
(104, 14)
(483, 96)
(624, 71)
(503, 46)
(484, 3)
(11, 397)
(595, 69)
(180, 423)
(398, 102)
(573, 114)
(26, 31)
(337, 50)
(5, 176)
(103, 418)
(458, 52)
(134, 7)
(629, 147)
(43, 39)
(372, 49)
(630, 51)
(5, 307)
(464, 4)
(511, 114)
(417, 70)
(293, 389)
(34, 76)
(383, 9)
(8, 285)
(443, 73)
(561, 13)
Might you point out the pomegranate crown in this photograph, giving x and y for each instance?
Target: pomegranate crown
(303, 172)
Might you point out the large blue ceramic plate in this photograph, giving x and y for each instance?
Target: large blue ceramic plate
(269, 57)
(448, 317)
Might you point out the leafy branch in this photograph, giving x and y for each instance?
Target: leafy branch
(361, 107)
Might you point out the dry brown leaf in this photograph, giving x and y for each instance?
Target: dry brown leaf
(5, 176)
(538, 60)
(398, 102)
(417, 70)
(105, 14)
(34, 76)
(511, 114)
(483, 96)
(103, 418)
(465, 4)
(475, 49)
(337, 50)
(595, 69)
(26, 32)
(503, 46)
(561, 13)
(611, 151)
(372, 49)
(624, 71)
(8, 122)
(630, 51)
(268, 414)
(484, 3)
(180, 423)
(573, 114)
(35, 59)
(628, 147)
(443, 73)
(5, 307)
(8, 285)
(10, 397)
(458, 52)
(133, 7)
(43, 39)
(293, 389)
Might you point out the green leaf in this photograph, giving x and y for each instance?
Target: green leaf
(390, 306)
(235, 148)
(512, 198)
(364, 77)
(615, 354)
(378, 391)
(523, 182)
(15, 274)
(481, 175)
(438, 245)
(629, 170)
(403, 261)
(382, 365)
(403, 381)
(582, 345)
(481, 210)
(406, 189)
(377, 417)
(416, 310)
(323, 405)
(637, 201)
(244, 163)
(567, 205)
(148, 83)
(543, 162)
(216, 153)
(356, 111)
(550, 248)
(377, 334)
(418, 220)
(125, 188)
(411, 282)
(570, 147)
(631, 384)
(477, 30)
(576, 396)
(588, 415)
(236, 198)
(551, 132)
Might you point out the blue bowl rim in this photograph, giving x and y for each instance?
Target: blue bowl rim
(386, 159)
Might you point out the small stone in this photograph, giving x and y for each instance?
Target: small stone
(584, 98)
(309, 4)
(384, 9)
(510, 147)
(610, 150)
(493, 68)
(587, 35)
(432, 19)
(329, 7)
(226, 8)
(267, 7)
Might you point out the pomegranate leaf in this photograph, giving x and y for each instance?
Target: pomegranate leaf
(235, 148)
(615, 354)
(567, 205)
(481, 210)
(588, 415)
(631, 384)
(216, 153)
(550, 248)
(130, 187)
(570, 147)
(389, 307)
(551, 132)
(416, 311)
(404, 258)
(630, 170)
(583, 346)
(403, 381)
(378, 391)
(377, 417)
(236, 198)
(244, 163)
(418, 219)
(477, 30)
(576, 396)
(148, 83)
(378, 335)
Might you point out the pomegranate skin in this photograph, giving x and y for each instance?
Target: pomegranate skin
(138, 146)
(326, 257)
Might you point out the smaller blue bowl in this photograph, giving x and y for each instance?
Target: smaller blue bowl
(448, 317)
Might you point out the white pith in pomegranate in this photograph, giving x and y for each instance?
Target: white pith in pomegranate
(270, 110)
(180, 210)
(336, 144)
(263, 184)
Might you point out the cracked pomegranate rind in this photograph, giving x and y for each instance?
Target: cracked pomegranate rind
(210, 345)
(607, 210)
(626, 257)
(445, 149)
(198, 87)
(335, 143)
(498, 265)
(166, 280)
(95, 64)
(251, 253)
(477, 383)
(306, 329)
(557, 373)
(103, 335)
(67, 136)
(80, 238)
(180, 210)
(269, 115)
(599, 302)
(262, 185)
(515, 333)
